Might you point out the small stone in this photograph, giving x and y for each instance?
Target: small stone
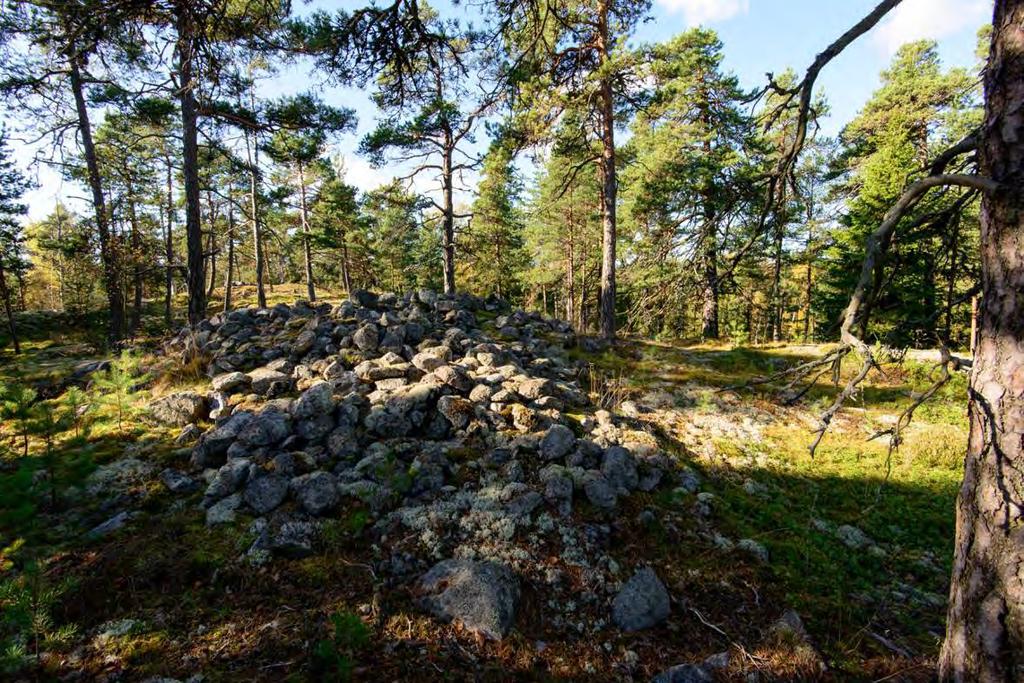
(223, 512)
(684, 673)
(852, 537)
(178, 482)
(754, 549)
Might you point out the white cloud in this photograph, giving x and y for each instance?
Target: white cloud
(936, 19)
(706, 11)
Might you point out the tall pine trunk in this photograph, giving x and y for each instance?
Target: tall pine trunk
(169, 248)
(777, 283)
(709, 276)
(5, 294)
(252, 158)
(190, 165)
(136, 237)
(985, 623)
(448, 237)
(307, 252)
(608, 179)
(229, 268)
(108, 254)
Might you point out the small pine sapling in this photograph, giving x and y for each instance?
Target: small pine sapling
(17, 404)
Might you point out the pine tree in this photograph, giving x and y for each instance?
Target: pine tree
(12, 257)
(495, 257)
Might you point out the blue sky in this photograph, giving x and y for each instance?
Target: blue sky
(758, 36)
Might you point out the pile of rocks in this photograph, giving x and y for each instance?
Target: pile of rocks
(467, 444)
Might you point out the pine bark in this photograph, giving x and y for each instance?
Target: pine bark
(307, 252)
(252, 157)
(5, 294)
(985, 623)
(190, 166)
(608, 179)
(448, 209)
(229, 270)
(108, 255)
(169, 248)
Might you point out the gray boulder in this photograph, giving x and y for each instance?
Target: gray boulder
(598, 491)
(212, 446)
(314, 401)
(179, 409)
(684, 673)
(366, 337)
(457, 410)
(642, 602)
(557, 442)
(231, 382)
(264, 379)
(480, 596)
(228, 479)
(264, 494)
(619, 468)
(178, 482)
(223, 512)
(317, 492)
(266, 428)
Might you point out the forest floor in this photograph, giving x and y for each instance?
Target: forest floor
(858, 542)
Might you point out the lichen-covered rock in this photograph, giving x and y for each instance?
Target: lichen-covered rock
(262, 380)
(619, 468)
(684, 673)
(178, 482)
(223, 511)
(314, 401)
(598, 491)
(317, 492)
(179, 409)
(481, 597)
(231, 382)
(642, 602)
(557, 442)
(265, 493)
(228, 479)
(266, 428)
(366, 337)
(457, 410)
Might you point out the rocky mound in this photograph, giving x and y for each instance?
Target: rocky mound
(467, 444)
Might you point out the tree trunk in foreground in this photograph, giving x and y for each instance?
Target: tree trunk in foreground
(229, 270)
(307, 252)
(190, 167)
(448, 229)
(985, 623)
(609, 183)
(169, 248)
(108, 255)
(5, 294)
